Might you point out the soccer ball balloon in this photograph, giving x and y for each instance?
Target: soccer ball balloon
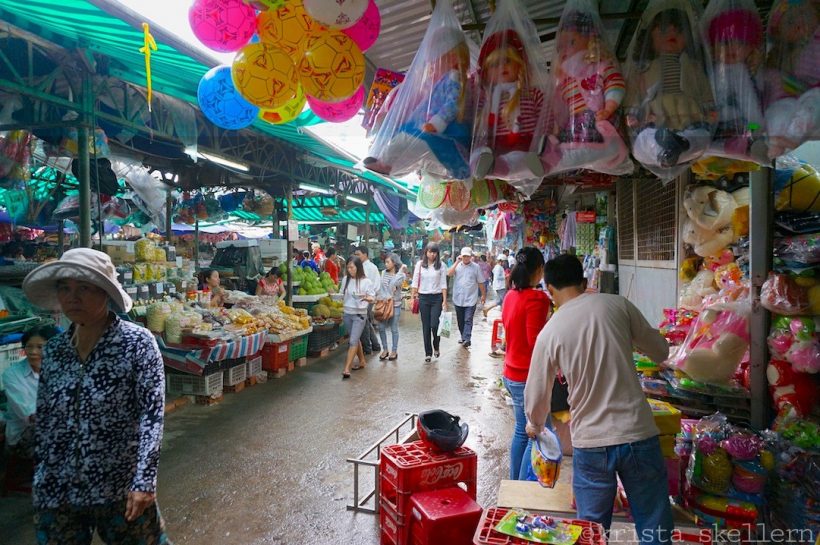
(332, 68)
(336, 13)
(366, 31)
(288, 112)
(338, 112)
(265, 75)
(221, 102)
(287, 28)
(222, 25)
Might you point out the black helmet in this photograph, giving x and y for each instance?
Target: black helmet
(440, 430)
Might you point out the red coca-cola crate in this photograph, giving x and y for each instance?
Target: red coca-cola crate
(448, 516)
(394, 530)
(592, 533)
(275, 356)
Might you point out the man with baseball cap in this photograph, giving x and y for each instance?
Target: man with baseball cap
(468, 282)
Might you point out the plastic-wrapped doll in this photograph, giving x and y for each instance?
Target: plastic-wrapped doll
(670, 106)
(792, 78)
(589, 89)
(428, 127)
(508, 113)
(735, 36)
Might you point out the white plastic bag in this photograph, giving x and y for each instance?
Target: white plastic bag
(445, 324)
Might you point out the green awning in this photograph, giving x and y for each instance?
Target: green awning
(316, 208)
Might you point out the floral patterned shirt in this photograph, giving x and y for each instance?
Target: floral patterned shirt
(99, 423)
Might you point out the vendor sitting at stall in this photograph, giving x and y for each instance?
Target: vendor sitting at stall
(21, 381)
(271, 284)
(209, 280)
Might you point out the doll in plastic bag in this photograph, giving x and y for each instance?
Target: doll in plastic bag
(791, 89)
(509, 124)
(734, 35)
(587, 90)
(429, 125)
(669, 101)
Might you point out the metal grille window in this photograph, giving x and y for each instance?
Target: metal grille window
(626, 220)
(655, 220)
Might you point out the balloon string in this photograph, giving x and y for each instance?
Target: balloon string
(148, 44)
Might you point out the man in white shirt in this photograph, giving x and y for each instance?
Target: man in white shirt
(370, 339)
(499, 286)
(613, 431)
(468, 282)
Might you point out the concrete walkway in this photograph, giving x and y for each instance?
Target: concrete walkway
(267, 465)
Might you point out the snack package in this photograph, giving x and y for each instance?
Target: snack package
(669, 102)
(791, 88)
(586, 88)
(508, 130)
(734, 38)
(716, 343)
(428, 126)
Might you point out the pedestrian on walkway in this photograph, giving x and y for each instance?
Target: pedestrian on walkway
(370, 339)
(468, 283)
(613, 432)
(486, 270)
(524, 315)
(499, 285)
(429, 288)
(391, 282)
(331, 266)
(359, 293)
(100, 408)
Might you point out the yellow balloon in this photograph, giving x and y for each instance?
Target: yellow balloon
(286, 113)
(332, 68)
(288, 28)
(265, 75)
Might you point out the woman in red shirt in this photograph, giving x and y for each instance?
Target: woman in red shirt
(525, 311)
(331, 267)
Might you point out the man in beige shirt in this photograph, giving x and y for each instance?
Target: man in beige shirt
(590, 341)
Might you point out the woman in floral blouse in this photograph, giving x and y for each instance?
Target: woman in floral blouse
(99, 410)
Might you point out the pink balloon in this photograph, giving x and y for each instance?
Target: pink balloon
(222, 25)
(338, 112)
(366, 30)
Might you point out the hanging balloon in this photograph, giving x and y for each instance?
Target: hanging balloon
(432, 194)
(288, 112)
(336, 13)
(366, 30)
(288, 28)
(221, 102)
(332, 68)
(265, 75)
(480, 194)
(263, 5)
(458, 195)
(338, 112)
(222, 25)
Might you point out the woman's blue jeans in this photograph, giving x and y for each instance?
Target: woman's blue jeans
(520, 446)
(393, 323)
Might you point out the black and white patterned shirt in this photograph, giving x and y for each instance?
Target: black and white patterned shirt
(99, 423)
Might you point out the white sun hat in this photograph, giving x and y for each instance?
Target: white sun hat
(83, 264)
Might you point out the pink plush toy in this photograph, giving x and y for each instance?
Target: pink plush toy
(716, 344)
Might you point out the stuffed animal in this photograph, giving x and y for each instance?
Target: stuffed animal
(693, 293)
(789, 387)
(706, 242)
(710, 208)
(716, 344)
(791, 90)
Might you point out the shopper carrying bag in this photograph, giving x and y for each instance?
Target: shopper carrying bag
(429, 290)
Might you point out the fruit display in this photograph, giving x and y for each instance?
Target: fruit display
(327, 308)
(309, 281)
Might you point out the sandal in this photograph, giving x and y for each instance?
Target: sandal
(357, 367)
(438, 354)
(427, 359)
(393, 357)
(383, 356)
(345, 375)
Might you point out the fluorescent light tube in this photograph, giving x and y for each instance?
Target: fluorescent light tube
(224, 161)
(315, 189)
(356, 200)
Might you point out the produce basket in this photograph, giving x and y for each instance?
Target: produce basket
(298, 348)
(323, 336)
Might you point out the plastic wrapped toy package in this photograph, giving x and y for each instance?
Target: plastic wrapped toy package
(693, 293)
(428, 126)
(796, 340)
(784, 294)
(734, 37)
(716, 343)
(669, 102)
(510, 105)
(792, 388)
(709, 227)
(791, 91)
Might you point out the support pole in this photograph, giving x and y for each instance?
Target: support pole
(169, 209)
(196, 245)
(84, 157)
(289, 251)
(760, 263)
(367, 224)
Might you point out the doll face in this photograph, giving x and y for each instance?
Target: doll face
(502, 69)
(571, 42)
(668, 38)
(732, 52)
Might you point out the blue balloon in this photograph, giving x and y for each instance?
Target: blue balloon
(221, 102)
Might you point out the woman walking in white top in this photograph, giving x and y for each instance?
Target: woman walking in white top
(358, 292)
(429, 287)
(392, 280)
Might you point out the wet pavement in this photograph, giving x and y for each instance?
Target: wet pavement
(267, 465)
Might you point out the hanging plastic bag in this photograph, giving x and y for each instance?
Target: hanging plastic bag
(791, 88)
(587, 88)
(429, 124)
(734, 39)
(545, 458)
(669, 103)
(445, 324)
(510, 104)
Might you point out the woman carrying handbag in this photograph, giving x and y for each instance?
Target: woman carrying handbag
(429, 290)
(388, 307)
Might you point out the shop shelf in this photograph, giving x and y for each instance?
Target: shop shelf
(193, 385)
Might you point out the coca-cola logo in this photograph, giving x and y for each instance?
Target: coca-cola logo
(391, 471)
(433, 475)
(391, 526)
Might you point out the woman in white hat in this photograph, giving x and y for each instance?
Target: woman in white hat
(99, 409)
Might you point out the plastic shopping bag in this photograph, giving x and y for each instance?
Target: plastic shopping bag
(545, 458)
(445, 324)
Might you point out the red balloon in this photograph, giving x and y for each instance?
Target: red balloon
(366, 30)
(338, 112)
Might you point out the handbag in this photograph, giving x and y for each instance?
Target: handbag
(560, 395)
(383, 309)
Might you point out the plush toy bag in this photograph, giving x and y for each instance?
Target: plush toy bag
(428, 125)
(586, 88)
(791, 88)
(669, 102)
(734, 39)
(510, 101)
